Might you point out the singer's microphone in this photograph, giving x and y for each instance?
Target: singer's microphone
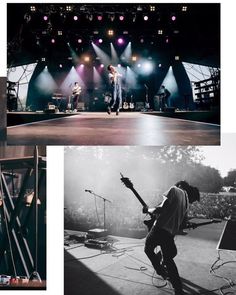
(87, 190)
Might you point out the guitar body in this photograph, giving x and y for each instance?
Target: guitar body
(149, 222)
(125, 105)
(131, 105)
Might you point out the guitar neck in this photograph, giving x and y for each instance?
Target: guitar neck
(138, 197)
(195, 225)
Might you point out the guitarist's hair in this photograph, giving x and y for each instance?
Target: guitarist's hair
(192, 191)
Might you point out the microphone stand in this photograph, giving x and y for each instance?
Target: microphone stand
(104, 206)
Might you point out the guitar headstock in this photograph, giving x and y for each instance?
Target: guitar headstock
(126, 181)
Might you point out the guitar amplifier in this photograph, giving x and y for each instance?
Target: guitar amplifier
(139, 105)
(81, 106)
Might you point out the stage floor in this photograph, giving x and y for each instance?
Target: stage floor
(125, 129)
(128, 271)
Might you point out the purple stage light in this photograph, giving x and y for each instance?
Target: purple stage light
(173, 18)
(120, 41)
(99, 17)
(121, 17)
(45, 18)
(145, 17)
(101, 65)
(79, 40)
(53, 41)
(100, 40)
(75, 17)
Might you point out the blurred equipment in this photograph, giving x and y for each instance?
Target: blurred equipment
(228, 237)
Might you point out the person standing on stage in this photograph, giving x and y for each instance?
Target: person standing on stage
(76, 90)
(115, 82)
(171, 216)
(164, 94)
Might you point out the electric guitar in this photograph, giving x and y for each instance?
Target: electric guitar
(147, 105)
(149, 222)
(131, 104)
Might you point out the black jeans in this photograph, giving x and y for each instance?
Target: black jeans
(160, 237)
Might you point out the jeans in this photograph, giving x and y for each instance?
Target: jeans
(160, 237)
(116, 102)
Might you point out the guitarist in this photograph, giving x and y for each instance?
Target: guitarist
(169, 218)
(76, 90)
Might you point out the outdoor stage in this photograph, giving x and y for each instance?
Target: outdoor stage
(129, 128)
(128, 270)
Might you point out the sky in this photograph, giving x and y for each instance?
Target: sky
(222, 157)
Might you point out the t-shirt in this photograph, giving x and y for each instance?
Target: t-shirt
(178, 205)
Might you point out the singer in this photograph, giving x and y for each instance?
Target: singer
(115, 82)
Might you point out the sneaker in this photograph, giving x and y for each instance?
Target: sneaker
(117, 113)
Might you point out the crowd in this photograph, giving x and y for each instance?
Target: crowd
(127, 220)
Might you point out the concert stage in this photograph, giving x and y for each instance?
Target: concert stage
(129, 128)
(128, 271)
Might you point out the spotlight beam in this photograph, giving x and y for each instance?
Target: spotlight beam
(105, 59)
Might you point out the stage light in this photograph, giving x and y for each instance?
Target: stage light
(141, 40)
(43, 59)
(119, 65)
(147, 67)
(125, 32)
(99, 17)
(173, 18)
(68, 8)
(152, 8)
(60, 65)
(120, 41)
(32, 8)
(134, 58)
(101, 65)
(45, 17)
(87, 59)
(100, 40)
(184, 8)
(121, 17)
(167, 40)
(110, 32)
(53, 40)
(82, 65)
(160, 32)
(75, 17)
(160, 65)
(177, 57)
(134, 17)
(80, 40)
(59, 33)
(139, 65)
(145, 17)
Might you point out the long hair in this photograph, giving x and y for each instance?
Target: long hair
(192, 191)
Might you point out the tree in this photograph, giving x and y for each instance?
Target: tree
(230, 179)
